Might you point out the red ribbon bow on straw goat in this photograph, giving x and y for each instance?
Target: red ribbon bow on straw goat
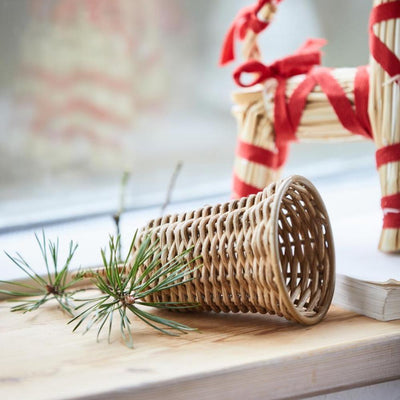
(300, 62)
(247, 19)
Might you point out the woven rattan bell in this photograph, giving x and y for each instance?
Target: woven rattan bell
(268, 253)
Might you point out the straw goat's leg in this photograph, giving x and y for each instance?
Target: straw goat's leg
(256, 131)
(384, 111)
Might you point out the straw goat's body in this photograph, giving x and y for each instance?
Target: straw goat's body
(254, 111)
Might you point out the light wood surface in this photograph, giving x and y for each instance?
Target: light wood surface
(234, 356)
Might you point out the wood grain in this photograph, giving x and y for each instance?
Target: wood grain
(233, 356)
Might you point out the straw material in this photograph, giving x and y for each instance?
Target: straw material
(250, 49)
(255, 127)
(268, 253)
(254, 111)
(384, 111)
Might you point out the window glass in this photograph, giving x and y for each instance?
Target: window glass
(90, 89)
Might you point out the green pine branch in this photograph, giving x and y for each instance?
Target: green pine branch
(124, 287)
(54, 286)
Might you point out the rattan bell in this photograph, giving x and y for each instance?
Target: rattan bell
(268, 253)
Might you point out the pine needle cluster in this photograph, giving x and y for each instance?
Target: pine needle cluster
(124, 286)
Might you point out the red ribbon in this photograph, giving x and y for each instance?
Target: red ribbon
(361, 96)
(247, 19)
(243, 189)
(301, 62)
(288, 112)
(391, 206)
(391, 220)
(259, 155)
(392, 201)
(288, 115)
(391, 64)
(269, 159)
(381, 53)
(387, 154)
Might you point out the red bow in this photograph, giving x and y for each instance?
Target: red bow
(301, 62)
(246, 19)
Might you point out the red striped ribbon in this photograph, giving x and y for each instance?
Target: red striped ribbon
(270, 159)
(243, 189)
(387, 154)
(391, 64)
(247, 19)
(379, 51)
(288, 112)
(391, 206)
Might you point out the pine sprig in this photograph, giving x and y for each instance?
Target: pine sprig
(124, 288)
(53, 286)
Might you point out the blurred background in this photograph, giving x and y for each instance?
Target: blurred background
(92, 88)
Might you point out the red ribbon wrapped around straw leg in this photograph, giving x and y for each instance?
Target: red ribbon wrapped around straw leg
(379, 51)
(391, 64)
(247, 19)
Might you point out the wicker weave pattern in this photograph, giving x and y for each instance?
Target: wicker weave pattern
(268, 253)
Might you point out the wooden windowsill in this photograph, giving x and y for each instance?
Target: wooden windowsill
(234, 356)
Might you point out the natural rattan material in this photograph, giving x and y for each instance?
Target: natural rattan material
(268, 253)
